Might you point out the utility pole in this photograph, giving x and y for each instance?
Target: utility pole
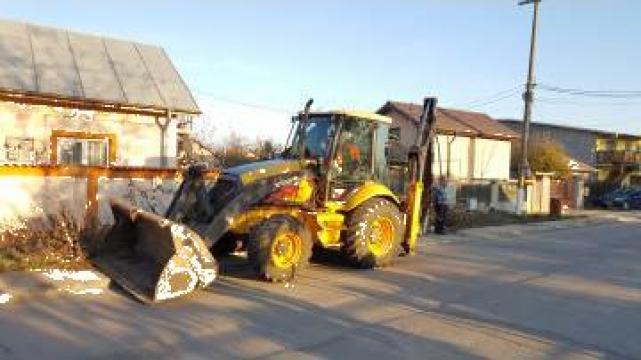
(528, 98)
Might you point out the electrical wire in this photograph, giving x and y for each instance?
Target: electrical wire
(618, 94)
(495, 97)
(489, 102)
(244, 103)
(585, 102)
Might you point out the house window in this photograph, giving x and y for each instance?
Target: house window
(19, 150)
(83, 148)
(78, 151)
(395, 133)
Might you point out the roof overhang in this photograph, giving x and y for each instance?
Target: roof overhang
(86, 104)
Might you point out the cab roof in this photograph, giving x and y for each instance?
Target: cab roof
(361, 114)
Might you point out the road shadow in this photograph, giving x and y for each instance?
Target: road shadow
(237, 265)
(459, 300)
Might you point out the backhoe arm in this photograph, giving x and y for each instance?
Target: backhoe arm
(417, 167)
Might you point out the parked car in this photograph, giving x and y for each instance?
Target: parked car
(607, 200)
(629, 200)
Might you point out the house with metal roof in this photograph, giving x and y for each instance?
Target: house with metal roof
(615, 156)
(79, 99)
(470, 145)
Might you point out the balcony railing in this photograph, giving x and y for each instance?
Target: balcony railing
(618, 157)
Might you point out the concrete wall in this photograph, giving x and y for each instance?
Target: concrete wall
(484, 195)
(151, 195)
(27, 197)
(138, 137)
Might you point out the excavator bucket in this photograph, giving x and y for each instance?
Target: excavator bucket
(153, 258)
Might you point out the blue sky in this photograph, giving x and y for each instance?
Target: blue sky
(276, 54)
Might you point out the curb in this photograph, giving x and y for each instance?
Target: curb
(17, 286)
(495, 232)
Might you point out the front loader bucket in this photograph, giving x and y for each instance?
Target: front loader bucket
(153, 258)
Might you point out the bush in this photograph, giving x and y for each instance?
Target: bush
(544, 155)
(53, 240)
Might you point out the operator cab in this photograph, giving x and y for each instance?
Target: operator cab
(348, 148)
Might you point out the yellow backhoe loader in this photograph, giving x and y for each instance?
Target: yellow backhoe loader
(330, 188)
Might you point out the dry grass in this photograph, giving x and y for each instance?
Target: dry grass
(50, 241)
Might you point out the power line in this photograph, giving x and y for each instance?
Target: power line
(489, 102)
(244, 103)
(619, 94)
(585, 101)
(483, 100)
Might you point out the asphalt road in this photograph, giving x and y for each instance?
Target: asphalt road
(526, 294)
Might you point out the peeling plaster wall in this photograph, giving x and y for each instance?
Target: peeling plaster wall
(152, 195)
(31, 196)
(138, 137)
(26, 197)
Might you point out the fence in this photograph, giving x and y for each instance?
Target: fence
(30, 191)
(499, 195)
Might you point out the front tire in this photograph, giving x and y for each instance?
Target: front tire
(278, 247)
(374, 234)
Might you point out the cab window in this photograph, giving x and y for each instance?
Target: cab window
(353, 159)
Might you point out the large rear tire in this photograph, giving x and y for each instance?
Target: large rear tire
(374, 233)
(278, 247)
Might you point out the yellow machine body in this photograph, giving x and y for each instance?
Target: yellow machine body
(159, 258)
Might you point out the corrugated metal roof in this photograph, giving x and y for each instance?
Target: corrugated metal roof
(517, 125)
(50, 62)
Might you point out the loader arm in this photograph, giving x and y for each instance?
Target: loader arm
(417, 157)
(160, 258)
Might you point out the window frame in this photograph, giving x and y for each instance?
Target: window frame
(83, 135)
(336, 179)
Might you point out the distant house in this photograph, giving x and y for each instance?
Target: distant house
(471, 145)
(616, 156)
(72, 98)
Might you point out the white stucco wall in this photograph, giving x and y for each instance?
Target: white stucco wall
(138, 137)
(491, 159)
(152, 195)
(458, 158)
(29, 197)
(26, 197)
